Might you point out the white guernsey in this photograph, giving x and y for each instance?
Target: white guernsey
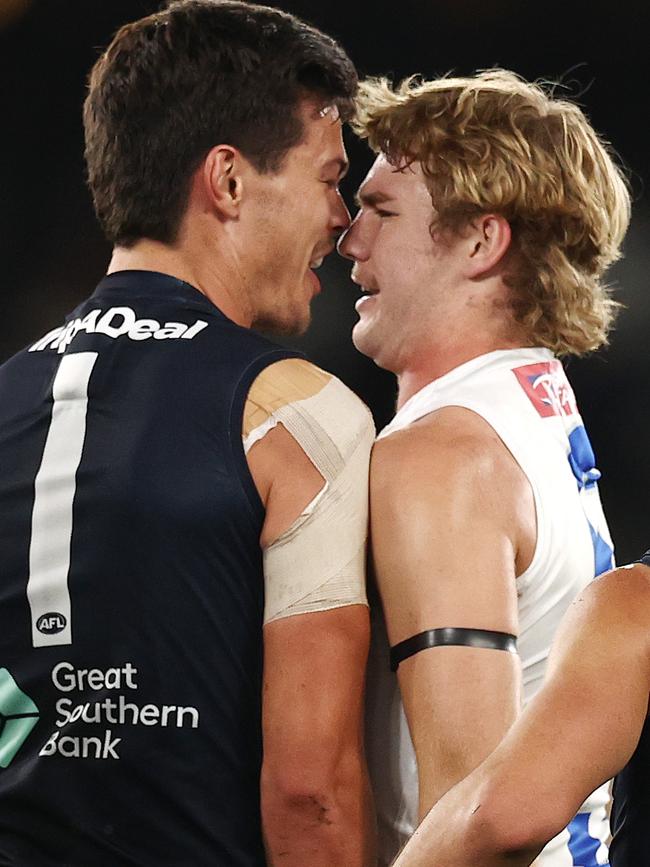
(537, 419)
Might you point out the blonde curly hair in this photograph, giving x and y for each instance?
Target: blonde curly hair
(496, 143)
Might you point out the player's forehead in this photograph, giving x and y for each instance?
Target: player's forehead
(386, 181)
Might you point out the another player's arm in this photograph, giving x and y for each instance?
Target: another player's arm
(579, 731)
(448, 504)
(314, 788)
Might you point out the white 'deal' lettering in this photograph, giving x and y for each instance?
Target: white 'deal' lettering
(117, 322)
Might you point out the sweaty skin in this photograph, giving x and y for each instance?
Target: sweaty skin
(431, 490)
(503, 813)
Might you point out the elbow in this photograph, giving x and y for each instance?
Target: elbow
(526, 829)
(291, 791)
(316, 792)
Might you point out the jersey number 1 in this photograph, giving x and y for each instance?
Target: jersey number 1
(55, 485)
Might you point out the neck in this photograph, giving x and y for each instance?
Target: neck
(478, 319)
(435, 363)
(209, 275)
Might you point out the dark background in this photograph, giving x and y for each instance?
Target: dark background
(52, 253)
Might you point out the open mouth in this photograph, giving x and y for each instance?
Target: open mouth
(313, 278)
(320, 257)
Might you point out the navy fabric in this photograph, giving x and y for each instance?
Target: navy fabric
(147, 744)
(630, 845)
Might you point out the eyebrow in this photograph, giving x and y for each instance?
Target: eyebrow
(371, 199)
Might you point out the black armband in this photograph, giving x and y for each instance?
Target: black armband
(645, 560)
(452, 635)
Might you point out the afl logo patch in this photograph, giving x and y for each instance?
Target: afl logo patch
(51, 623)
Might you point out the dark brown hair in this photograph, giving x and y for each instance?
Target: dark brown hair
(199, 73)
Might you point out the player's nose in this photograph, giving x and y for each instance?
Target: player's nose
(350, 243)
(341, 216)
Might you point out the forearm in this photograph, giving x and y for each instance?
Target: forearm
(451, 857)
(329, 825)
(465, 832)
(427, 849)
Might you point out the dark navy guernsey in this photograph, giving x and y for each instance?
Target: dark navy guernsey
(131, 597)
(630, 846)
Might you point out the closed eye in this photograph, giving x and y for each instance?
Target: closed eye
(373, 202)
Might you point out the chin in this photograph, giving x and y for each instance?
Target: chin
(363, 341)
(371, 346)
(285, 324)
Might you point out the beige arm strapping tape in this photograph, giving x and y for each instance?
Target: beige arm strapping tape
(319, 562)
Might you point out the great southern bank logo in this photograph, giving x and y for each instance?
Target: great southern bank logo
(18, 716)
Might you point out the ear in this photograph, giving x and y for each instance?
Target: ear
(222, 180)
(488, 240)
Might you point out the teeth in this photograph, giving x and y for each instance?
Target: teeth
(316, 263)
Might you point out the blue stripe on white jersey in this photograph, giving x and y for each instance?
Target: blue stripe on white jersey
(586, 851)
(582, 462)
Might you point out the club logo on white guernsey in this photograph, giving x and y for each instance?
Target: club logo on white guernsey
(547, 387)
(117, 322)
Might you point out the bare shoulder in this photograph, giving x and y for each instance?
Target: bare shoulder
(610, 619)
(618, 599)
(444, 525)
(451, 446)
